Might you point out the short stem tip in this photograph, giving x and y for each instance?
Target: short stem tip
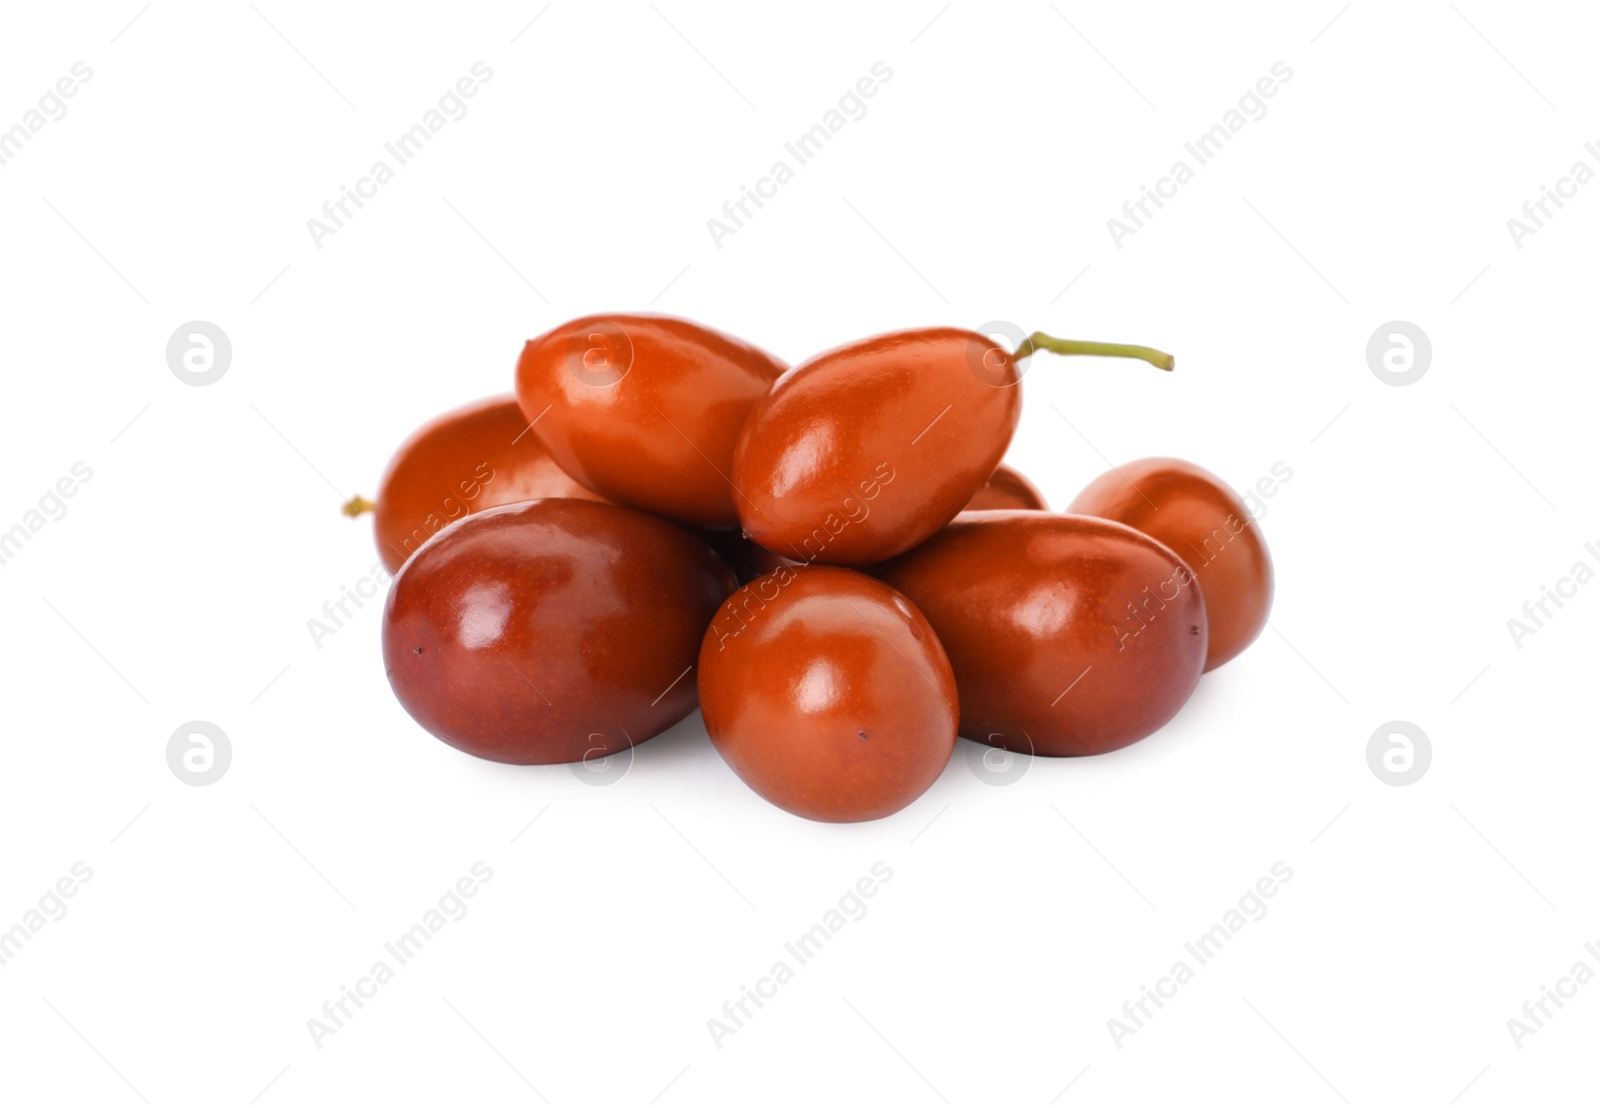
(1041, 341)
(357, 506)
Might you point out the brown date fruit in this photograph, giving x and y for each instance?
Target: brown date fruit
(1194, 512)
(1067, 634)
(828, 694)
(552, 630)
(1006, 488)
(645, 409)
(860, 453)
(473, 458)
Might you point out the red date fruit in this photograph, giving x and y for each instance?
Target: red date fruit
(645, 409)
(860, 453)
(465, 461)
(551, 631)
(1006, 488)
(828, 694)
(1194, 512)
(1067, 634)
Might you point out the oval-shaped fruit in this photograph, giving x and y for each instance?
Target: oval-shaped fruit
(1007, 489)
(828, 694)
(551, 631)
(645, 409)
(1194, 512)
(464, 461)
(861, 453)
(1067, 634)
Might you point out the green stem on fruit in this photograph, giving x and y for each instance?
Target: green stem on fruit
(358, 506)
(1041, 341)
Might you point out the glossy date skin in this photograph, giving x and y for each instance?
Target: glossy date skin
(862, 452)
(1068, 635)
(645, 409)
(1006, 488)
(828, 694)
(465, 461)
(1205, 522)
(551, 631)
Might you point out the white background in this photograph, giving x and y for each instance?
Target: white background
(1019, 919)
